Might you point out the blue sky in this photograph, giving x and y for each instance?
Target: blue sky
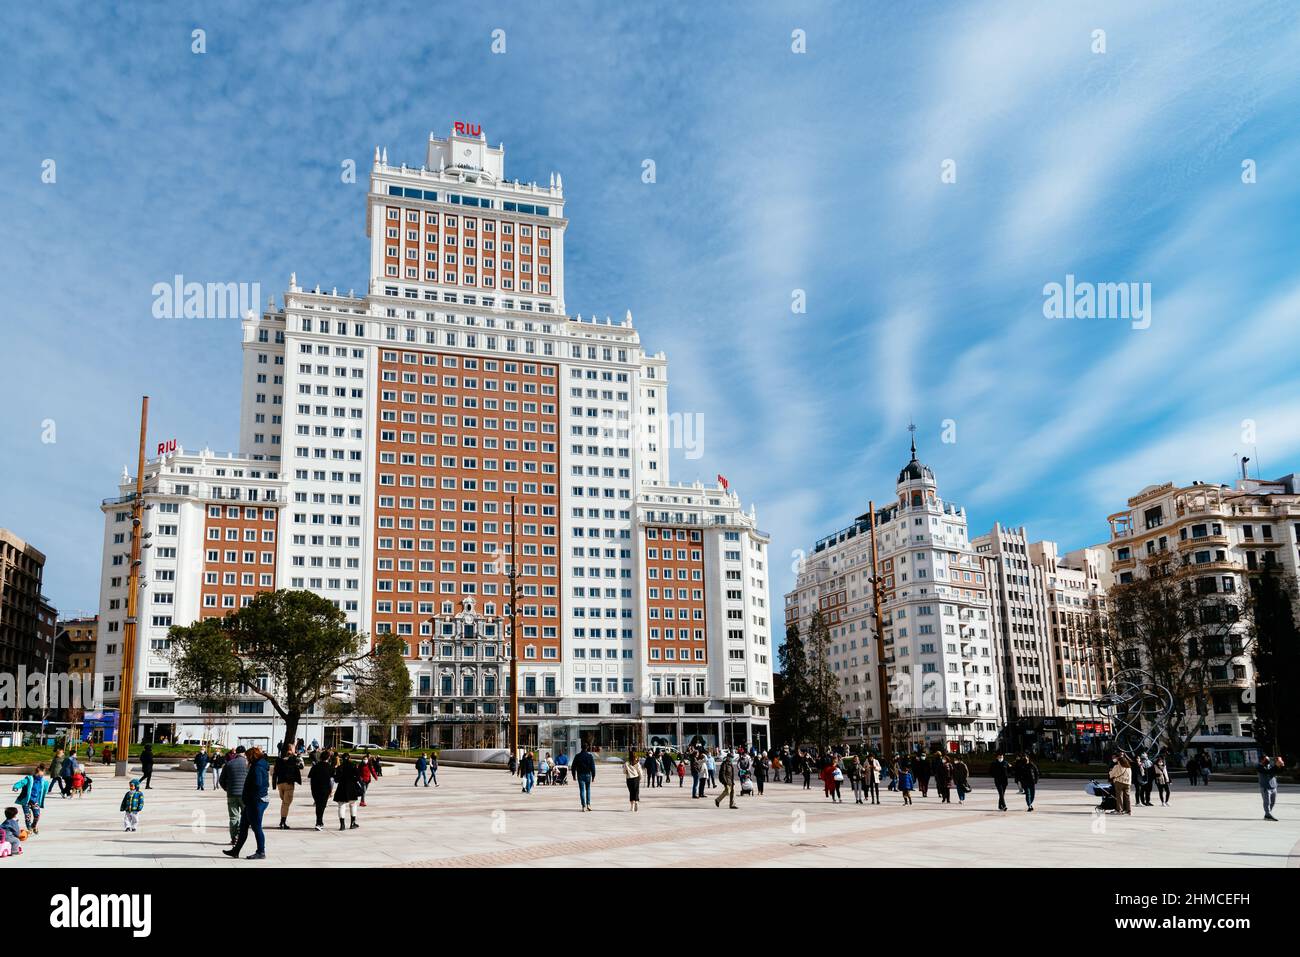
(776, 171)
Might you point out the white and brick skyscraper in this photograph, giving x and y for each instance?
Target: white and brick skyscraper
(382, 439)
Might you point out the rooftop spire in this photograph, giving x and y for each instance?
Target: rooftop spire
(911, 427)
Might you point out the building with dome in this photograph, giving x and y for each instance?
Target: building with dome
(935, 619)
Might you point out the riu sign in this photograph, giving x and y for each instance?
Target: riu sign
(467, 129)
(167, 448)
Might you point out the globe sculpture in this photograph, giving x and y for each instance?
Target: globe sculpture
(1139, 709)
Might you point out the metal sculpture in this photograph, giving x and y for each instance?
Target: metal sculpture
(1139, 709)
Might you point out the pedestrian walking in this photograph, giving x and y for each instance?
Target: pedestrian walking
(132, 805)
(433, 770)
(680, 767)
(584, 769)
(285, 778)
(1193, 769)
(942, 771)
(201, 766)
(421, 771)
(1205, 763)
(711, 765)
(632, 774)
(1028, 780)
(30, 797)
(321, 780)
(1000, 772)
(806, 766)
(347, 791)
(231, 781)
(56, 771)
(960, 779)
(727, 778)
(905, 783)
(1267, 769)
(760, 773)
(257, 787)
(365, 774)
(146, 767)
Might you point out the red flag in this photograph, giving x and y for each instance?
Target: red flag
(722, 480)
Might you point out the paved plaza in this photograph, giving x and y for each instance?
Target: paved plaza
(478, 818)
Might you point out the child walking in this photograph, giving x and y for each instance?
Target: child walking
(132, 804)
(905, 785)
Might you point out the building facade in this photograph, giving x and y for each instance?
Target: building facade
(936, 619)
(1219, 535)
(396, 443)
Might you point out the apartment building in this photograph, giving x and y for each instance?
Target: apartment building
(936, 617)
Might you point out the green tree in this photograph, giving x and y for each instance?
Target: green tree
(825, 706)
(285, 647)
(1276, 656)
(792, 697)
(383, 684)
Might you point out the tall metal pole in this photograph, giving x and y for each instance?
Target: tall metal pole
(122, 737)
(514, 634)
(882, 672)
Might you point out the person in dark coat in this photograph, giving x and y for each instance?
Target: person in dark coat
(286, 776)
(146, 766)
(922, 772)
(942, 778)
(584, 769)
(527, 771)
(321, 779)
(200, 765)
(257, 786)
(1000, 772)
(960, 778)
(347, 790)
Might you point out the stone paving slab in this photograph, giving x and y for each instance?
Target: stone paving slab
(479, 818)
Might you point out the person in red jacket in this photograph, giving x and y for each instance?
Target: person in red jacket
(366, 776)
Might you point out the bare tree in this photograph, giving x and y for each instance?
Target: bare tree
(1188, 627)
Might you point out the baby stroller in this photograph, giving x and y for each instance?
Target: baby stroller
(1106, 792)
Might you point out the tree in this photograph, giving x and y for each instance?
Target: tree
(1276, 656)
(791, 687)
(1186, 628)
(285, 647)
(383, 684)
(825, 706)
